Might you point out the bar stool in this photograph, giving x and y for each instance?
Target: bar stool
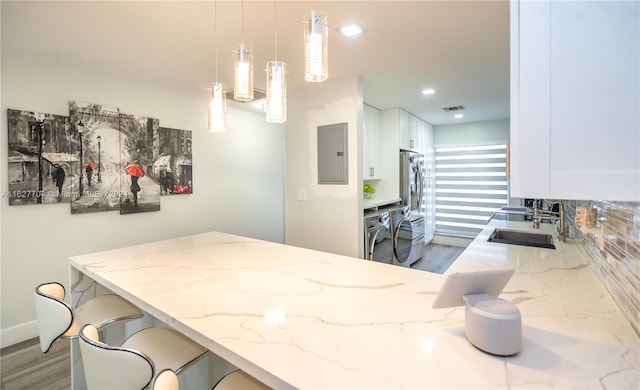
(236, 380)
(166, 380)
(57, 319)
(134, 364)
(239, 380)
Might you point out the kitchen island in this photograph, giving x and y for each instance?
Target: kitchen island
(298, 318)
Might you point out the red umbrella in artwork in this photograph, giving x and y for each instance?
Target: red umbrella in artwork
(134, 170)
(90, 164)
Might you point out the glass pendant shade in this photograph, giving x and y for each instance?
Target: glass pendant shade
(276, 92)
(316, 34)
(243, 90)
(218, 109)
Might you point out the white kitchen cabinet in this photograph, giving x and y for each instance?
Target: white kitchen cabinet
(428, 146)
(430, 180)
(409, 128)
(575, 98)
(420, 135)
(372, 146)
(404, 129)
(416, 134)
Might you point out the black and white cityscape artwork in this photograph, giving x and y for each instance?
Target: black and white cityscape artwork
(173, 161)
(97, 159)
(96, 144)
(41, 169)
(138, 180)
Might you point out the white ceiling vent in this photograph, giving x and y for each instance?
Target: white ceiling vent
(453, 108)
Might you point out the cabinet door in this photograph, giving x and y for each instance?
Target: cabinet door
(575, 123)
(530, 133)
(422, 136)
(429, 153)
(595, 105)
(414, 134)
(372, 130)
(405, 130)
(430, 177)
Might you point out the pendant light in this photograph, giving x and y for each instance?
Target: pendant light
(243, 90)
(218, 102)
(316, 34)
(218, 109)
(276, 83)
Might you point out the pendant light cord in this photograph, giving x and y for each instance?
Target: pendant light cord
(275, 30)
(215, 32)
(242, 22)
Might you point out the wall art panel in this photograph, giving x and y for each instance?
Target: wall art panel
(41, 167)
(173, 161)
(137, 177)
(95, 136)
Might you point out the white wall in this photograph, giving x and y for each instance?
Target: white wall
(237, 178)
(472, 133)
(331, 217)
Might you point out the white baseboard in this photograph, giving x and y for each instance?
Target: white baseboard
(17, 334)
(451, 240)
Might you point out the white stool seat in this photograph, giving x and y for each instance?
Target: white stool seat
(134, 364)
(236, 380)
(57, 319)
(165, 347)
(240, 380)
(166, 380)
(102, 311)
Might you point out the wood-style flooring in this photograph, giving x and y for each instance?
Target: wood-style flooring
(24, 367)
(437, 258)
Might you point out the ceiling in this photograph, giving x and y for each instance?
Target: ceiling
(458, 48)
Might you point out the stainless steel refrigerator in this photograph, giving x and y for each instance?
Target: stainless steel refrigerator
(412, 192)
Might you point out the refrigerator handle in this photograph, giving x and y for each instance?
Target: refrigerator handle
(420, 187)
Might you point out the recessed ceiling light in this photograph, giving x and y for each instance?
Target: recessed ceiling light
(458, 116)
(429, 91)
(351, 30)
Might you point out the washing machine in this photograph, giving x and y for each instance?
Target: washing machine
(406, 236)
(377, 239)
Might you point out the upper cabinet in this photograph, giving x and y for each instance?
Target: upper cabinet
(427, 143)
(421, 135)
(575, 100)
(411, 129)
(398, 121)
(372, 146)
(416, 134)
(404, 129)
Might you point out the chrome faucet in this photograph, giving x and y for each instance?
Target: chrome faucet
(561, 226)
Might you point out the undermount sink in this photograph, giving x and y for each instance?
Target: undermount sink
(516, 237)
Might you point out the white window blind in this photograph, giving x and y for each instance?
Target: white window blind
(471, 185)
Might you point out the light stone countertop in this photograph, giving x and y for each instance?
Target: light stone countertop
(298, 318)
(378, 202)
(574, 336)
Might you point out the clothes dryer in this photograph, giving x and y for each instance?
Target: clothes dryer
(377, 240)
(406, 237)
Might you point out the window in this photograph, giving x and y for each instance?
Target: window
(471, 185)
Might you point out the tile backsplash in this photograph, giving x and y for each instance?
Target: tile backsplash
(613, 249)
